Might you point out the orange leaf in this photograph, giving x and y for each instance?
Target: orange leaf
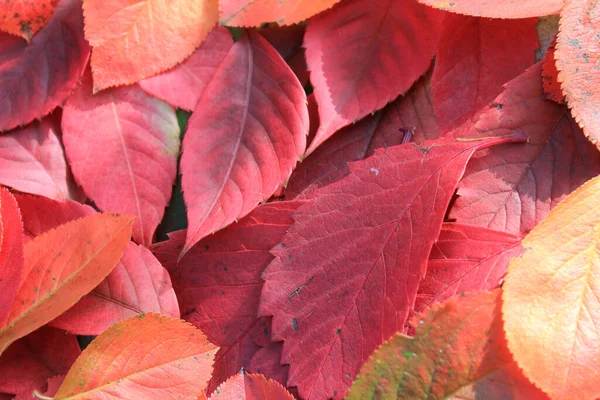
(498, 8)
(245, 386)
(257, 12)
(551, 298)
(577, 54)
(61, 266)
(459, 351)
(148, 356)
(135, 39)
(25, 18)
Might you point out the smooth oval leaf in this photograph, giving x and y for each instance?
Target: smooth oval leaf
(245, 386)
(258, 12)
(148, 356)
(458, 352)
(498, 8)
(61, 266)
(244, 138)
(576, 55)
(11, 252)
(183, 85)
(25, 18)
(32, 160)
(134, 39)
(551, 309)
(38, 76)
(122, 146)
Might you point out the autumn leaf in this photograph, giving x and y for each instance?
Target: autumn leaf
(576, 55)
(511, 188)
(60, 267)
(147, 356)
(32, 160)
(133, 40)
(137, 284)
(30, 361)
(257, 12)
(325, 284)
(498, 8)
(465, 258)
(243, 139)
(25, 18)
(11, 252)
(138, 138)
(288, 41)
(349, 35)
(552, 89)
(38, 76)
(476, 57)
(550, 298)
(183, 85)
(218, 283)
(244, 386)
(458, 352)
(410, 117)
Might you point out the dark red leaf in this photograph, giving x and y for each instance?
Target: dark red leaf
(287, 40)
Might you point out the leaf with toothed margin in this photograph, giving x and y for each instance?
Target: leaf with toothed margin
(244, 386)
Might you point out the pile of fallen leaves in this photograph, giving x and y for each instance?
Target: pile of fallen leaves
(364, 199)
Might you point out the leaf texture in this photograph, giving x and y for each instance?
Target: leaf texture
(11, 252)
(257, 12)
(32, 160)
(551, 308)
(183, 85)
(244, 137)
(30, 361)
(458, 352)
(410, 117)
(60, 267)
(134, 40)
(218, 283)
(498, 8)
(349, 35)
(512, 188)
(138, 138)
(576, 54)
(476, 57)
(245, 386)
(339, 267)
(25, 18)
(552, 88)
(38, 76)
(148, 356)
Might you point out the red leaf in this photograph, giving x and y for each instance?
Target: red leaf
(32, 160)
(410, 114)
(576, 55)
(61, 266)
(25, 18)
(138, 284)
(30, 361)
(287, 40)
(245, 136)
(459, 352)
(218, 284)
(138, 138)
(325, 285)
(512, 188)
(245, 386)
(476, 57)
(257, 12)
(134, 40)
(498, 8)
(37, 77)
(149, 356)
(11, 252)
(465, 258)
(348, 36)
(183, 85)
(552, 88)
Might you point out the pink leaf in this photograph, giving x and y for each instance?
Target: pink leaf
(11, 252)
